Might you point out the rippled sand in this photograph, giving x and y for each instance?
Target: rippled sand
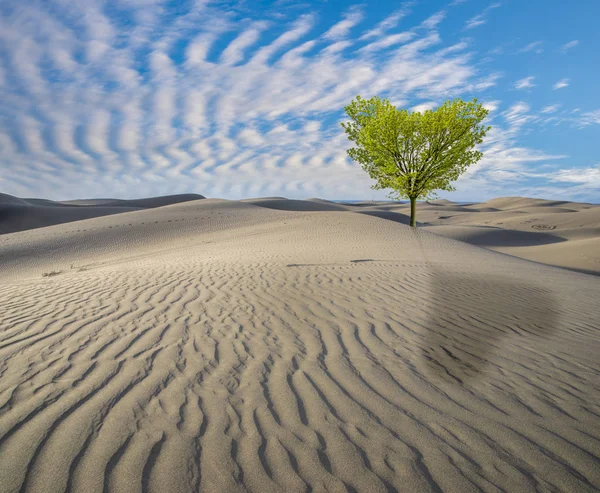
(265, 346)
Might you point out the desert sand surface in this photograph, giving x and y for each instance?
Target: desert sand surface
(559, 233)
(272, 345)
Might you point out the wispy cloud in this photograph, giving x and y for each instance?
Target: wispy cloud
(590, 117)
(343, 27)
(476, 21)
(560, 84)
(573, 183)
(433, 21)
(391, 40)
(589, 175)
(481, 19)
(389, 23)
(506, 167)
(234, 52)
(517, 115)
(551, 108)
(567, 46)
(491, 106)
(535, 46)
(526, 83)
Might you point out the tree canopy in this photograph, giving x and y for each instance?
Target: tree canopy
(414, 153)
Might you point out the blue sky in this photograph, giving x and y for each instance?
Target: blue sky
(135, 98)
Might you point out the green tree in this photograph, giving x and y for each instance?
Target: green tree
(415, 153)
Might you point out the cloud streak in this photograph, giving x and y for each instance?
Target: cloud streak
(568, 46)
(535, 46)
(342, 28)
(560, 84)
(481, 19)
(526, 83)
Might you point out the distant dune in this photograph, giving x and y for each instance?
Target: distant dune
(441, 202)
(22, 214)
(508, 203)
(283, 204)
(564, 234)
(267, 345)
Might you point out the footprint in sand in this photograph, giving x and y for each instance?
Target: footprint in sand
(543, 227)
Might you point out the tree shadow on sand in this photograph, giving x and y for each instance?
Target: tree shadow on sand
(479, 313)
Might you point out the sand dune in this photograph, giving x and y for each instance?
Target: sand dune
(22, 214)
(490, 237)
(441, 202)
(507, 203)
(6, 199)
(581, 255)
(218, 345)
(295, 205)
(535, 229)
(523, 227)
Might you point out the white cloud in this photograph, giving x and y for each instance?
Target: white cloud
(342, 28)
(336, 47)
(197, 50)
(560, 84)
(517, 115)
(386, 42)
(579, 175)
(476, 21)
(64, 140)
(98, 132)
(251, 137)
(433, 21)
(481, 19)
(299, 29)
(507, 167)
(526, 83)
(491, 106)
(552, 108)
(387, 24)
(535, 46)
(590, 117)
(234, 53)
(567, 46)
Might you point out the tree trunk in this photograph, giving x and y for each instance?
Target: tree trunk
(413, 212)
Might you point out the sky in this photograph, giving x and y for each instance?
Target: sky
(137, 98)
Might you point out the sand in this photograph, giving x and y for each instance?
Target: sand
(559, 233)
(18, 214)
(259, 345)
